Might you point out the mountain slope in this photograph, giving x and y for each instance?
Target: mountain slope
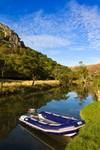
(20, 62)
(93, 68)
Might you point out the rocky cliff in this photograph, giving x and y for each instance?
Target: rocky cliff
(8, 35)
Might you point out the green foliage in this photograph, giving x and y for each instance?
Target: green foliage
(83, 71)
(65, 76)
(83, 75)
(20, 62)
(1, 34)
(96, 82)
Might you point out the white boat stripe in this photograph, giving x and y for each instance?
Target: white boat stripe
(54, 131)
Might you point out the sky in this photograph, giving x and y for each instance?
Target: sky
(67, 31)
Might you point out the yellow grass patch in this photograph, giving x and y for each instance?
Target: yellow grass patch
(29, 83)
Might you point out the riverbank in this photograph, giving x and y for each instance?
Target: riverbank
(89, 136)
(13, 87)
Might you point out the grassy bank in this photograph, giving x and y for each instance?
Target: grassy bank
(10, 87)
(18, 83)
(89, 136)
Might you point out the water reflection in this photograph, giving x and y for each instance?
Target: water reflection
(12, 107)
(51, 141)
(64, 101)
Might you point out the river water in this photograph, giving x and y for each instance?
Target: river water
(14, 136)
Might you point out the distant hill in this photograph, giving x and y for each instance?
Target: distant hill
(93, 68)
(20, 62)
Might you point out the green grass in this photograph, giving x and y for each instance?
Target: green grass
(89, 136)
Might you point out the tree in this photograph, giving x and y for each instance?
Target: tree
(84, 75)
(3, 65)
(33, 79)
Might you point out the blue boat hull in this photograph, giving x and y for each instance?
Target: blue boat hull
(68, 121)
(57, 128)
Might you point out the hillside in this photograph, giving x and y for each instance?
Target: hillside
(93, 68)
(20, 62)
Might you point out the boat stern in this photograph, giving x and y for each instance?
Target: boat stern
(80, 123)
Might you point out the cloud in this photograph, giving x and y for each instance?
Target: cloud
(74, 28)
(45, 41)
(76, 25)
(87, 20)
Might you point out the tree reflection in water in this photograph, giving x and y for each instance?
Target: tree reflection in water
(11, 107)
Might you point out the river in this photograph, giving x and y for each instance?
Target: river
(14, 136)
